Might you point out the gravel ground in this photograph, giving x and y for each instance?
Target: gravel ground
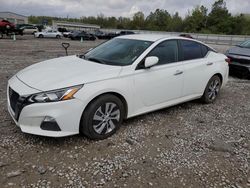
(189, 145)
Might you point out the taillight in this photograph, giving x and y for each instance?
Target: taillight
(228, 60)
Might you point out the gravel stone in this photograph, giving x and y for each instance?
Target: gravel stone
(41, 170)
(14, 174)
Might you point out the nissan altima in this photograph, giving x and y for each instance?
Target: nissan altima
(124, 77)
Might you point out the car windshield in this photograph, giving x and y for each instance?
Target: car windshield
(245, 44)
(118, 52)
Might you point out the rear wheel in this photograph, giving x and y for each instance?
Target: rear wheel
(58, 36)
(40, 36)
(212, 90)
(103, 117)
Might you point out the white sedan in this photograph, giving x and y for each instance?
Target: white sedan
(121, 78)
(48, 34)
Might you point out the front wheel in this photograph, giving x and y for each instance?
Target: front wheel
(102, 118)
(212, 90)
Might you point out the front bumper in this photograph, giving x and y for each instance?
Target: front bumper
(66, 114)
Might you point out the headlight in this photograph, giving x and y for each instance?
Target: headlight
(55, 95)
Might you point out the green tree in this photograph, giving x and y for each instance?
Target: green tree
(138, 21)
(197, 21)
(176, 23)
(158, 20)
(219, 19)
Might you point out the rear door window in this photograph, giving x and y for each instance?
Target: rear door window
(191, 50)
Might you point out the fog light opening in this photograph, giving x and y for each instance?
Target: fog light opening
(50, 124)
(49, 119)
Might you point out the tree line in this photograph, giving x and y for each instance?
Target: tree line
(218, 21)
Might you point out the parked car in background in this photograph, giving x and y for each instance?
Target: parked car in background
(186, 36)
(109, 35)
(82, 35)
(40, 27)
(68, 34)
(240, 60)
(18, 26)
(126, 33)
(121, 78)
(62, 29)
(48, 34)
(100, 34)
(5, 24)
(8, 28)
(29, 29)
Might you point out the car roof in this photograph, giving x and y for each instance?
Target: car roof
(145, 37)
(152, 37)
(156, 37)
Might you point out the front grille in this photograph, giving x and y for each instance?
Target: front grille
(17, 102)
(13, 97)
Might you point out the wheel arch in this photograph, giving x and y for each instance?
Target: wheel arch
(215, 74)
(121, 97)
(220, 76)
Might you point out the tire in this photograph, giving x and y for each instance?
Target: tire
(212, 90)
(58, 36)
(96, 123)
(40, 36)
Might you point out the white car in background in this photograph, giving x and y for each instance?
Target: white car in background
(48, 34)
(121, 78)
(29, 29)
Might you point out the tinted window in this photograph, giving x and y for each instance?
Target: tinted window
(167, 52)
(191, 50)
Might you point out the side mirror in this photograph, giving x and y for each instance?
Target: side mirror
(151, 61)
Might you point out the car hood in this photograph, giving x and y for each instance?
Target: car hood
(239, 51)
(65, 72)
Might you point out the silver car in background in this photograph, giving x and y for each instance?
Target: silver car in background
(48, 34)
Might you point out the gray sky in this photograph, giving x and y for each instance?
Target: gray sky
(78, 8)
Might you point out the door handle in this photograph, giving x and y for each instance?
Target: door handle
(210, 63)
(178, 72)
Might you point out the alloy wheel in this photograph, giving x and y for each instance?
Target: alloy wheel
(213, 89)
(106, 118)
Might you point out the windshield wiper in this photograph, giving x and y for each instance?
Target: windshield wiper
(96, 60)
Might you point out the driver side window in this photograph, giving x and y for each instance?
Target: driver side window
(167, 52)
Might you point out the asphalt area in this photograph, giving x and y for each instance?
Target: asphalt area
(188, 145)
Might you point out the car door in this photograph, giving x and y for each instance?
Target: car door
(54, 33)
(49, 34)
(198, 67)
(162, 82)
